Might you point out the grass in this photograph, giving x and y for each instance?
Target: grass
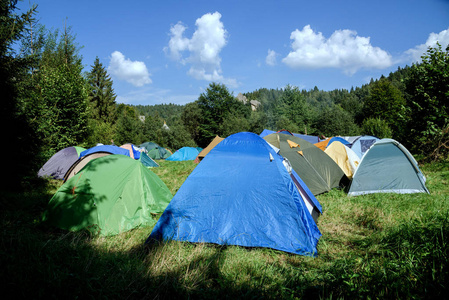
(373, 246)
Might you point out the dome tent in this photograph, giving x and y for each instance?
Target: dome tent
(362, 144)
(387, 167)
(209, 147)
(319, 172)
(155, 151)
(110, 195)
(310, 138)
(136, 153)
(92, 153)
(326, 143)
(240, 194)
(344, 157)
(60, 162)
(185, 153)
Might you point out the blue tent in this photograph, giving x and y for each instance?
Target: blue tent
(185, 153)
(105, 148)
(241, 194)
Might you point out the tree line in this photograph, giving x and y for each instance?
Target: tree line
(50, 103)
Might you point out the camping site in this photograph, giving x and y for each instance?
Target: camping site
(224, 150)
(380, 245)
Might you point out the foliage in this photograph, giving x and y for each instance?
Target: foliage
(128, 127)
(334, 121)
(191, 118)
(376, 127)
(385, 101)
(216, 104)
(168, 112)
(61, 110)
(14, 68)
(293, 111)
(102, 106)
(101, 94)
(428, 87)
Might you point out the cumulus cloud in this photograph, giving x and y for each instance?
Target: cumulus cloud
(134, 72)
(344, 49)
(414, 55)
(202, 50)
(271, 58)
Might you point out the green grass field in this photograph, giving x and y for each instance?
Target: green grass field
(375, 246)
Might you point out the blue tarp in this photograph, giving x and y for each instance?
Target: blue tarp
(310, 138)
(105, 148)
(185, 153)
(240, 194)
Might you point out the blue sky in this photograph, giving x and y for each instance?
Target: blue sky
(169, 51)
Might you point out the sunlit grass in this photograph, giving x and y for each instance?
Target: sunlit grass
(373, 246)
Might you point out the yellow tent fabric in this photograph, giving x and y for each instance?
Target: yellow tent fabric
(345, 158)
(292, 144)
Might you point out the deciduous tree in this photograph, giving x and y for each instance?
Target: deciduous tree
(428, 88)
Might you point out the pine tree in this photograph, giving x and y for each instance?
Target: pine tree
(101, 94)
(16, 129)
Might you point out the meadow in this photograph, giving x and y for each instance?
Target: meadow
(375, 246)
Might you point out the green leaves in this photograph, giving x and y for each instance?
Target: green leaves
(429, 89)
(220, 114)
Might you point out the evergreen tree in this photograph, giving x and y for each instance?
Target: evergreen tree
(293, 111)
(13, 68)
(101, 94)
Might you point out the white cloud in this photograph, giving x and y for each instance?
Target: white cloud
(414, 55)
(134, 72)
(202, 50)
(271, 58)
(344, 50)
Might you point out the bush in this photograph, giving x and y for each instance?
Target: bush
(376, 127)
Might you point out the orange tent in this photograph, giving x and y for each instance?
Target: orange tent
(323, 144)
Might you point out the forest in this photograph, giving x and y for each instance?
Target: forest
(50, 103)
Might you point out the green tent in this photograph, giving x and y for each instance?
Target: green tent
(110, 195)
(155, 151)
(318, 171)
(147, 161)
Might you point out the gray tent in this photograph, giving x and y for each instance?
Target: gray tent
(388, 167)
(317, 169)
